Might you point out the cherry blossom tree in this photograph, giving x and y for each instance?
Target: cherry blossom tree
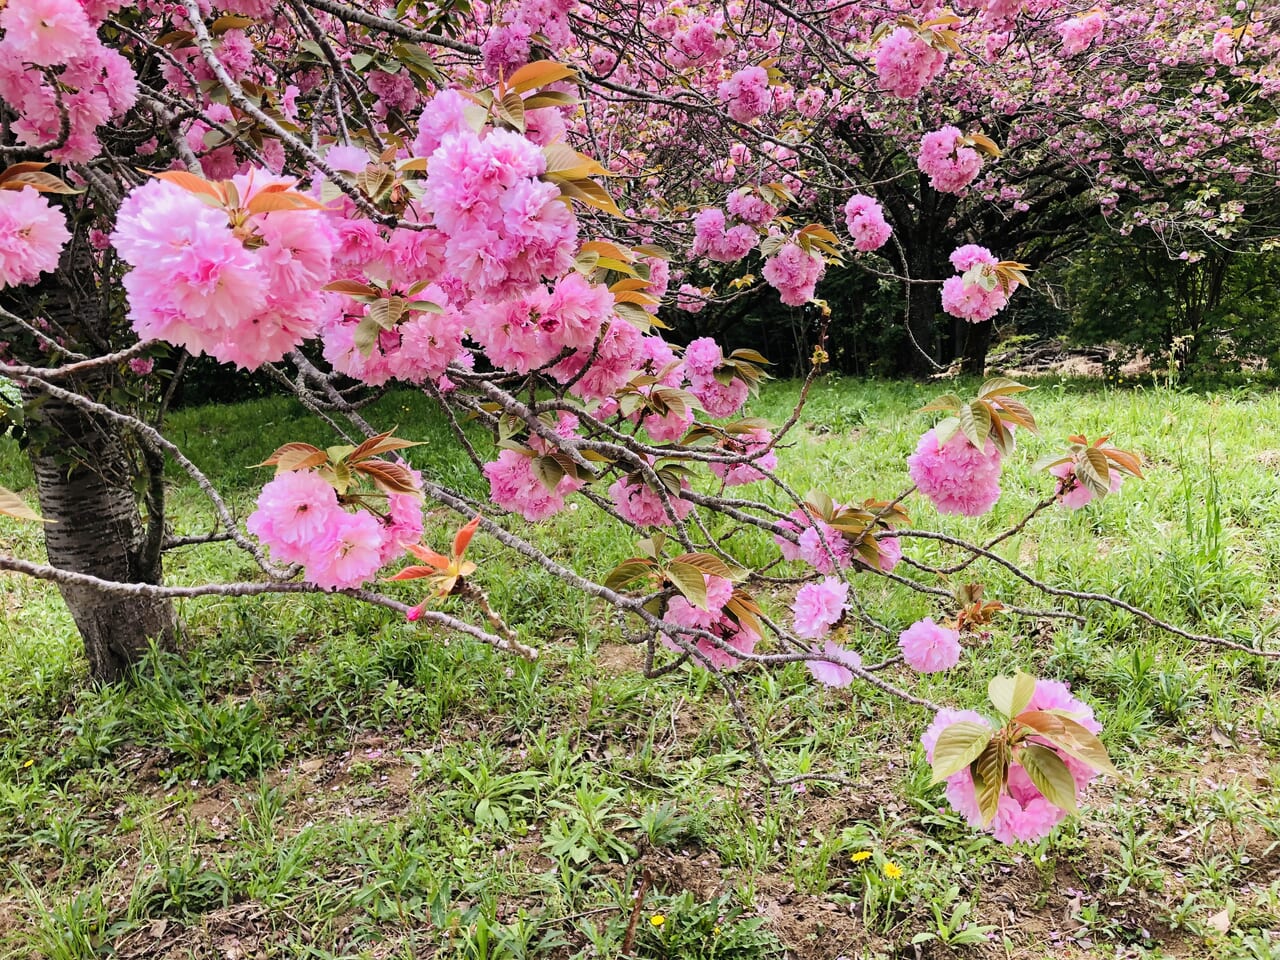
(1021, 126)
(425, 197)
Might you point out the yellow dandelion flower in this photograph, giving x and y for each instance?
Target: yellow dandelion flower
(860, 856)
(891, 870)
(657, 919)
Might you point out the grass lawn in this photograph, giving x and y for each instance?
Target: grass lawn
(312, 778)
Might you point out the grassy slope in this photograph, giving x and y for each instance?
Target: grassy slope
(310, 779)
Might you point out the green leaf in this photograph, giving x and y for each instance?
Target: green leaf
(652, 546)
(341, 478)
(1096, 471)
(1051, 460)
(944, 430)
(1069, 736)
(1010, 695)
(689, 580)
(12, 505)
(822, 504)
(711, 565)
(975, 423)
(1000, 387)
(548, 470)
(948, 402)
(365, 336)
(629, 571)
(1050, 775)
(958, 746)
(990, 774)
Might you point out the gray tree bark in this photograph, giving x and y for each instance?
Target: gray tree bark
(85, 484)
(87, 476)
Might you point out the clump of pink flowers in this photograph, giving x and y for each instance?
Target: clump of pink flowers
(1023, 814)
(906, 64)
(745, 444)
(514, 486)
(716, 241)
(301, 520)
(1074, 494)
(246, 294)
(640, 503)
(950, 164)
(794, 272)
(749, 207)
(1078, 33)
(977, 293)
(505, 228)
(702, 358)
(715, 621)
(836, 674)
(957, 477)
(54, 69)
(864, 217)
(928, 647)
(32, 235)
(747, 94)
(819, 606)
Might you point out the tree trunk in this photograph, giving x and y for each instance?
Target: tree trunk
(977, 342)
(86, 470)
(919, 346)
(85, 483)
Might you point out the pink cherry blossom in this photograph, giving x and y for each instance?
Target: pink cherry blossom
(32, 234)
(514, 486)
(45, 32)
(977, 293)
(714, 621)
(1072, 493)
(950, 165)
(1078, 33)
(794, 272)
(295, 511)
(906, 64)
(818, 606)
(834, 674)
(956, 476)
(642, 504)
(744, 444)
(747, 94)
(1023, 813)
(928, 647)
(864, 217)
(349, 554)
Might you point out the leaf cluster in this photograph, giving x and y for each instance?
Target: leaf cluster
(1036, 740)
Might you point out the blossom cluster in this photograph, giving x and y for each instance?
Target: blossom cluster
(956, 476)
(730, 634)
(54, 66)
(747, 94)
(503, 227)
(713, 239)
(246, 293)
(947, 161)
(300, 518)
(906, 63)
(976, 294)
(826, 549)
(32, 235)
(794, 272)
(1024, 813)
(864, 217)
